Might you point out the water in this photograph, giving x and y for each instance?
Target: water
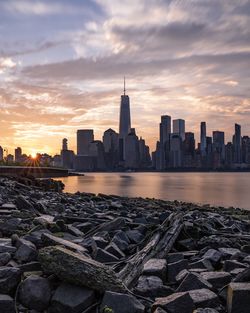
(220, 189)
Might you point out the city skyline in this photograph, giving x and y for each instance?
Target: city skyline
(62, 64)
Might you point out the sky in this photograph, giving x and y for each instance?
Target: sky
(62, 65)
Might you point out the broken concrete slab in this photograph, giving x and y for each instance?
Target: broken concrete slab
(238, 298)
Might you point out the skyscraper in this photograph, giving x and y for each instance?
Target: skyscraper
(84, 138)
(165, 131)
(18, 154)
(125, 123)
(237, 144)
(203, 139)
(179, 128)
(1, 153)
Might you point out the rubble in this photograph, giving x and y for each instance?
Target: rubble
(69, 253)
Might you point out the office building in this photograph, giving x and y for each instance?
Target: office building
(237, 144)
(203, 139)
(84, 138)
(164, 147)
(179, 128)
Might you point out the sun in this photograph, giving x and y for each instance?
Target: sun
(33, 155)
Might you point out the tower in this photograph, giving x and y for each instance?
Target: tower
(125, 122)
(203, 139)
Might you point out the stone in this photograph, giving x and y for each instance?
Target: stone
(30, 267)
(238, 298)
(217, 279)
(104, 256)
(247, 259)
(78, 269)
(179, 278)
(159, 310)
(203, 264)
(230, 265)
(113, 249)
(175, 257)
(204, 298)
(9, 279)
(26, 251)
(246, 249)
(152, 287)
(23, 204)
(205, 310)
(177, 302)
(35, 293)
(6, 248)
(156, 267)
(228, 252)
(121, 240)
(134, 236)
(214, 256)
(121, 303)
(100, 242)
(193, 281)
(7, 304)
(173, 269)
(243, 276)
(71, 299)
(4, 258)
(50, 240)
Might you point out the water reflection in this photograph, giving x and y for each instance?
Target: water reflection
(226, 189)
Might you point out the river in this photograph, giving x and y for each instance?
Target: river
(220, 189)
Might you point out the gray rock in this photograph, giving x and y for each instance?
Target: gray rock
(23, 204)
(238, 298)
(152, 287)
(4, 258)
(193, 281)
(243, 276)
(104, 256)
(204, 298)
(100, 242)
(121, 303)
(177, 302)
(230, 265)
(9, 279)
(214, 256)
(35, 293)
(30, 267)
(113, 249)
(217, 279)
(156, 267)
(134, 236)
(175, 257)
(228, 252)
(26, 251)
(6, 304)
(159, 310)
(6, 248)
(175, 268)
(179, 278)
(205, 310)
(71, 299)
(203, 264)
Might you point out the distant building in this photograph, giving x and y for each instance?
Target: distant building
(179, 128)
(132, 150)
(164, 147)
(67, 156)
(18, 154)
(229, 155)
(111, 148)
(1, 153)
(144, 155)
(125, 123)
(189, 150)
(246, 149)
(10, 158)
(175, 150)
(84, 138)
(237, 144)
(203, 139)
(218, 149)
(96, 151)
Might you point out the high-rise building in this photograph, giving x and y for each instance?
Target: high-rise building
(175, 150)
(1, 153)
(237, 144)
(125, 123)
(218, 149)
(110, 140)
(84, 138)
(246, 149)
(67, 156)
(165, 131)
(188, 150)
(18, 154)
(132, 150)
(203, 139)
(179, 128)
(65, 144)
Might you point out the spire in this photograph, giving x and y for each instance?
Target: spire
(124, 86)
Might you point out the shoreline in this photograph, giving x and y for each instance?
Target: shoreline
(147, 252)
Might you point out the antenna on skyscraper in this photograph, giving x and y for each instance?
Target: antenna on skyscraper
(124, 86)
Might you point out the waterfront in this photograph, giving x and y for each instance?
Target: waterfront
(222, 189)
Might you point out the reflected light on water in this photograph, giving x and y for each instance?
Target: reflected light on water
(225, 189)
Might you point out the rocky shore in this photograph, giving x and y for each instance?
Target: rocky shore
(79, 253)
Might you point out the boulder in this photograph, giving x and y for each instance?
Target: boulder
(77, 269)
(214, 256)
(23, 204)
(193, 281)
(7, 304)
(113, 249)
(202, 264)
(35, 293)
(121, 303)
(177, 302)
(103, 256)
(243, 276)
(71, 299)
(230, 265)
(205, 310)
(152, 287)
(9, 279)
(26, 251)
(5, 257)
(238, 298)
(134, 236)
(156, 267)
(175, 257)
(204, 298)
(217, 279)
(173, 269)
(228, 252)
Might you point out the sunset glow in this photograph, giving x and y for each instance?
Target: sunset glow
(62, 65)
